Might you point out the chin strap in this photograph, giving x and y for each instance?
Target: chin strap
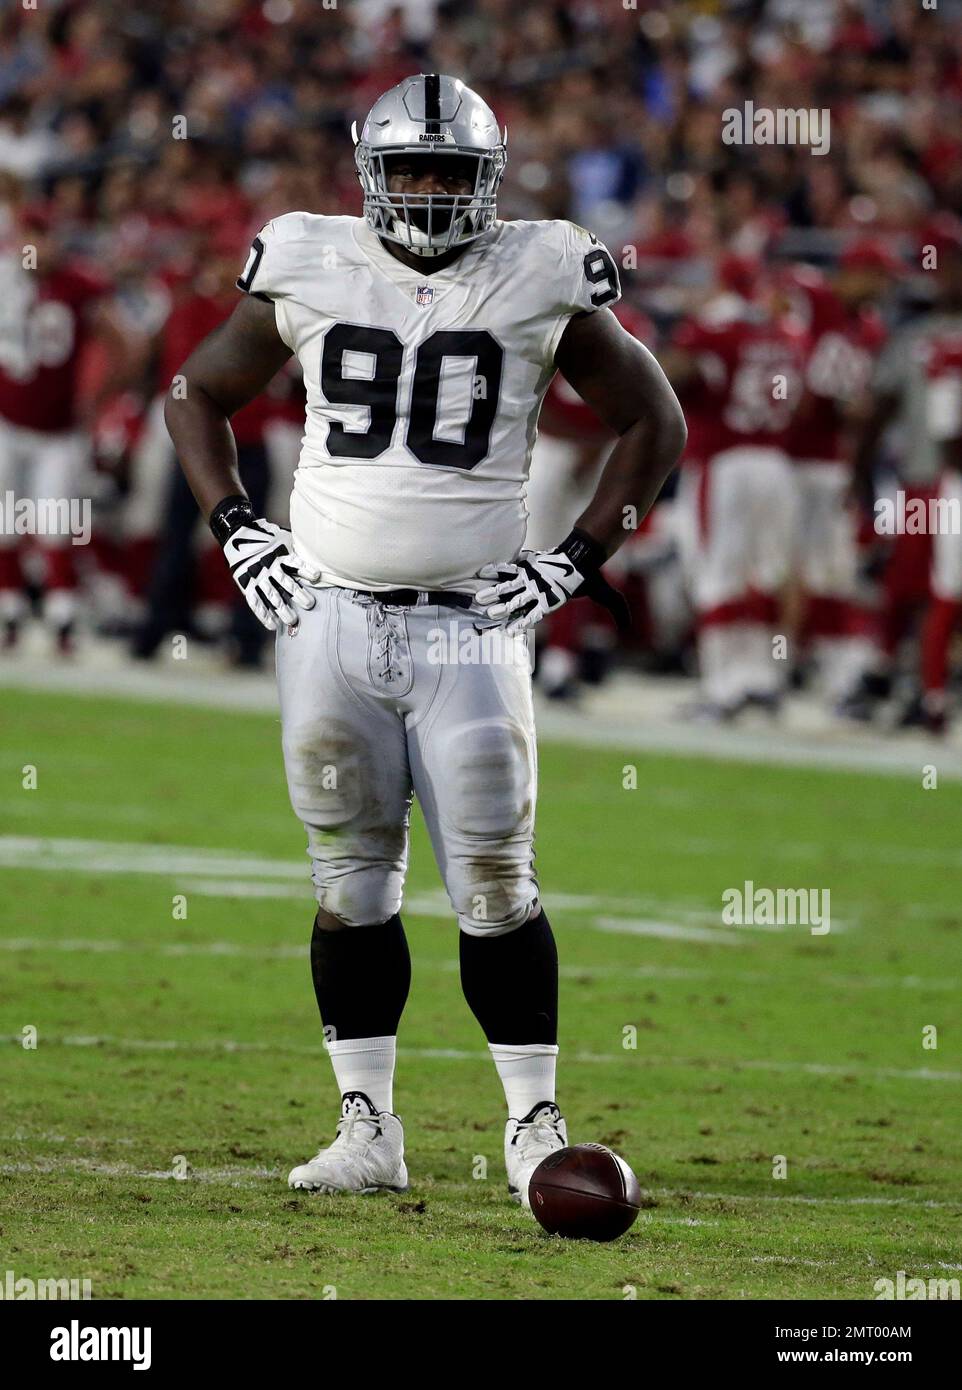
(419, 248)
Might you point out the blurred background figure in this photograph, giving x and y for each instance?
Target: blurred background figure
(738, 371)
(184, 596)
(141, 146)
(944, 409)
(844, 330)
(53, 313)
(897, 453)
(577, 643)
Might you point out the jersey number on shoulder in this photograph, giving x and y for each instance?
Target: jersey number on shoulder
(600, 270)
(377, 391)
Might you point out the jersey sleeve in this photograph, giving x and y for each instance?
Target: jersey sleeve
(273, 267)
(586, 277)
(259, 278)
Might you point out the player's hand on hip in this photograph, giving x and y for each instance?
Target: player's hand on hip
(529, 588)
(540, 581)
(262, 559)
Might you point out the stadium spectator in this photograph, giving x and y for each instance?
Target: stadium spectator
(147, 129)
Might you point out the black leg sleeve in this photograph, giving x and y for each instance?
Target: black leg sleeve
(361, 978)
(511, 983)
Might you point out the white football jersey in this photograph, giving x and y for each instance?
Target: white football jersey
(423, 390)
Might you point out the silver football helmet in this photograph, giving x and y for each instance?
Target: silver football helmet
(441, 115)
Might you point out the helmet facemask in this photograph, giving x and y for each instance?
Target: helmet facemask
(429, 223)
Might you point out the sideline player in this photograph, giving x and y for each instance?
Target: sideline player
(49, 315)
(428, 332)
(846, 334)
(739, 373)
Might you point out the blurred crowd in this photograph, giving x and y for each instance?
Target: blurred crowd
(143, 145)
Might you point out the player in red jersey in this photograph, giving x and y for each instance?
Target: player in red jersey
(900, 414)
(566, 462)
(845, 334)
(944, 413)
(738, 373)
(174, 587)
(51, 308)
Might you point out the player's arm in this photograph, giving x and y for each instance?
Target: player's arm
(867, 435)
(627, 389)
(680, 368)
(624, 385)
(120, 368)
(223, 373)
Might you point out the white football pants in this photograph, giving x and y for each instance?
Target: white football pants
(379, 704)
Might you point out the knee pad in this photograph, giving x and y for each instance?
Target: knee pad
(488, 826)
(492, 769)
(324, 774)
(520, 908)
(357, 894)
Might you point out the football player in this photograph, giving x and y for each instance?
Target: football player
(945, 580)
(50, 316)
(739, 373)
(428, 332)
(845, 335)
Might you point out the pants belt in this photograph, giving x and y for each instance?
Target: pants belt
(410, 598)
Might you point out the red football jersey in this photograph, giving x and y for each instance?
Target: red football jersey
(44, 328)
(748, 386)
(189, 322)
(944, 396)
(842, 350)
(565, 413)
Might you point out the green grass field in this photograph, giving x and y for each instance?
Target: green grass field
(167, 1045)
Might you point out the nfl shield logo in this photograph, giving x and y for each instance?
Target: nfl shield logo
(425, 294)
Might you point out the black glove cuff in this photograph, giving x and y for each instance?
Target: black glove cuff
(585, 553)
(229, 516)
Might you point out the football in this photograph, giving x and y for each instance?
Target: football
(585, 1192)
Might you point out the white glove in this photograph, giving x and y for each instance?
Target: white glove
(530, 588)
(262, 560)
(540, 581)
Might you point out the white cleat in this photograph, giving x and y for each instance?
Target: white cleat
(527, 1142)
(367, 1155)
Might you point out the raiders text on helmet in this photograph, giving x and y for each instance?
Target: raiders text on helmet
(442, 114)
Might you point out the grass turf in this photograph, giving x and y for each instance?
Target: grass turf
(169, 1045)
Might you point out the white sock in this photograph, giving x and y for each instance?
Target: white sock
(527, 1074)
(366, 1064)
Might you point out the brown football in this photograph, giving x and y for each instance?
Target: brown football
(585, 1192)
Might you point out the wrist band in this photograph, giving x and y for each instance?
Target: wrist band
(585, 553)
(229, 515)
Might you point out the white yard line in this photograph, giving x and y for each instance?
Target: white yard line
(227, 874)
(454, 1054)
(244, 873)
(46, 945)
(47, 1137)
(237, 1176)
(118, 857)
(666, 931)
(689, 1194)
(223, 874)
